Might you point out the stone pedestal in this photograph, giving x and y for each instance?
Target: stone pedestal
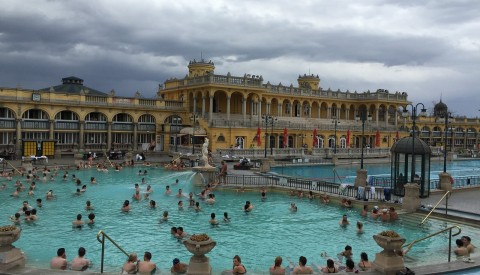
(128, 156)
(445, 181)
(361, 179)
(13, 258)
(411, 201)
(387, 261)
(204, 175)
(334, 159)
(265, 166)
(10, 256)
(199, 263)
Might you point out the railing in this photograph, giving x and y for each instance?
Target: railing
(122, 127)
(63, 125)
(409, 245)
(102, 241)
(433, 209)
(7, 123)
(319, 186)
(96, 125)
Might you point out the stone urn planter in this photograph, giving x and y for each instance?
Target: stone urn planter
(8, 235)
(387, 261)
(389, 241)
(199, 245)
(10, 256)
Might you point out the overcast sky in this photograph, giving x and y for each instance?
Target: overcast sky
(429, 49)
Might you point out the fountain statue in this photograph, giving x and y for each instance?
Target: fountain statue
(206, 173)
(205, 154)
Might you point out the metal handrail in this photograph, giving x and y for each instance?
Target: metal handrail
(436, 233)
(433, 209)
(102, 241)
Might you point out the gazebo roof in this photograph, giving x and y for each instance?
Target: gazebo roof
(404, 146)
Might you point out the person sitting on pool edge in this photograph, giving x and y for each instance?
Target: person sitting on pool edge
(302, 267)
(276, 268)
(60, 261)
(147, 267)
(131, 266)
(80, 263)
(330, 268)
(178, 267)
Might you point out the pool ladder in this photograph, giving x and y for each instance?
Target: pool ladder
(436, 233)
(103, 235)
(447, 195)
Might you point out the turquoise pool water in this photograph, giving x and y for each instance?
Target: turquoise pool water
(270, 230)
(347, 173)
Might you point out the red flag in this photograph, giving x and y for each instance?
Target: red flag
(315, 139)
(377, 139)
(348, 138)
(285, 137)
(397, 137)
(259, 141)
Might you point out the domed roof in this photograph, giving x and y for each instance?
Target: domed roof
(440, 109)
(404, 146)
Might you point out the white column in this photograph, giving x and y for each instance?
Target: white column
(210, 115)
(203, 106)
(228, 108)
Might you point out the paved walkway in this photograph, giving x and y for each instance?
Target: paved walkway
(461, 199)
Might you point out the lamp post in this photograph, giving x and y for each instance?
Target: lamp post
(363, 117)
(335, 121)
(194, 117)
(361, 179)
(414, 117)
(268, 120)
(446, 115)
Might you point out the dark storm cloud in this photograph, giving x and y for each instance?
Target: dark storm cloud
(411, 46)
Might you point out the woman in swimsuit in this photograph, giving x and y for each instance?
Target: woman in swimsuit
(238, 267)
(330, 268)
(364, 264)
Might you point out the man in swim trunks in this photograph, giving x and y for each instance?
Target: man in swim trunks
(147, 267)
(302, 267)
(59, 262)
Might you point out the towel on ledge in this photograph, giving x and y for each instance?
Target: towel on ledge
(372, 190)
(343, 188)
(361, 192)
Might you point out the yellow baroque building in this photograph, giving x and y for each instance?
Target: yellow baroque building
(236, 113)
(243, 111)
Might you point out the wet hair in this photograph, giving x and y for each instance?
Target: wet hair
(174, 229)
(278, 261)
(79, 217)
(91, 216)
(364, 256)
(330, 263)
(237, 258)
(126, 203)
(39, 200)
(17, 215)
(33, 211)
(165, 214)
(132, 257)
(350, 264)
(153, 203)
(180, 228)
(467, 238)
(225, 214)
(302, 260)
(459, 242)
(212, 216)
(60, 251)
(148, 255)
(348, 247)
(27, 213)
(88, 203)
(81, 251)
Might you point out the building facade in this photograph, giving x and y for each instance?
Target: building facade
(240, 112)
